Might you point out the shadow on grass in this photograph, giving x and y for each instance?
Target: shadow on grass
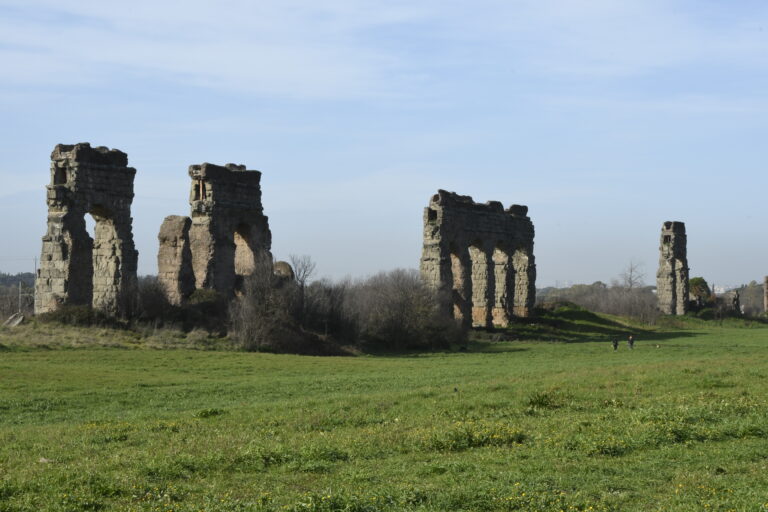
(569, 323)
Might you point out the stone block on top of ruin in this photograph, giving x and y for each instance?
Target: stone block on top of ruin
(173, 228)
(518, 210)
(83, 152)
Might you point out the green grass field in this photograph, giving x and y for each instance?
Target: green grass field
(679, 423)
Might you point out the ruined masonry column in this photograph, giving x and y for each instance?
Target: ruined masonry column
(672, 276)
(765, 295)
(174, 259)
(525, 283)
(504, 288)
(482, 287)
(467, 251)
(74, 268)
(224, 239)
(462, 287)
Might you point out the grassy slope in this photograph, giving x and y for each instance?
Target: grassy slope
(677, 424)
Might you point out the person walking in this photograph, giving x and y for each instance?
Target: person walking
(631, 342)
(615, 343)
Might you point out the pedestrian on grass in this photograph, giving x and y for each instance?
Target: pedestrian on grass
(615, 343)
(631, 342)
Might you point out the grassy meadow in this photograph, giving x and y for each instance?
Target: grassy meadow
(99, 419)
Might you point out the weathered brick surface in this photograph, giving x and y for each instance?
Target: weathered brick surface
(672, 276)
(480, 257)
(75, 268)
(224, 238)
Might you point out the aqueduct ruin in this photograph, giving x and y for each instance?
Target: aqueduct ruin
(225, 238)
(480, 256)
(672, 276)
(75, 268)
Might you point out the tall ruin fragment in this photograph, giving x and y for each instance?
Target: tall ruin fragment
(765, 295)
(226, 236)
(75, 268)
(672, 276)
(480, 256)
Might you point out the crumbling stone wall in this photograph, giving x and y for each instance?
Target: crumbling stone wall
(672, 276)
(225, 238)
(75, 268)
(480, 257)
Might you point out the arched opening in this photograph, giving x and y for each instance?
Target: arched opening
(245, 263)
(523, 298)
(482, 286)
(77, 251)
(503, 287)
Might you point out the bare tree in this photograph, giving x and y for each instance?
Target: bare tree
(632, 277)
(303, 268)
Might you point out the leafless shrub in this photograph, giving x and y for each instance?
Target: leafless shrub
(303, 268)
(626, 296)
(262, 317)
(396, 310)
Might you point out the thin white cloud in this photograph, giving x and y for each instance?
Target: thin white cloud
(341, 48)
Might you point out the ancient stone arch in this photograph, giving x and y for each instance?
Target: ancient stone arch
(75, 268)
(672, 276)
(225, 238)
(480, 257)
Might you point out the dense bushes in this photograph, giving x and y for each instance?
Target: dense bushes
(390, 310)
(396, 310)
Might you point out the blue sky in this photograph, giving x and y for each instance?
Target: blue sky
(606, 118)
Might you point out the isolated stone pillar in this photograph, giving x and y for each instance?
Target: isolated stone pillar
(765, 295)
(75, 268)
(672, 276)
(174, 260)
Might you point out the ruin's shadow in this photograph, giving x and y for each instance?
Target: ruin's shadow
(572, 324)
